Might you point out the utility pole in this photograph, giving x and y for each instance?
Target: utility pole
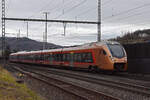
(99, 21)
(3, 30)
(43, 40)
(64, 25)
(27, 30)
(45, 36)
(18, 36)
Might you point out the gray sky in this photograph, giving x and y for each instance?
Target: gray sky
(118, 17)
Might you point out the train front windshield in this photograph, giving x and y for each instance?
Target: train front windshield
(116, 50)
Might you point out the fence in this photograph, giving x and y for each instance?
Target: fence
(138, 57)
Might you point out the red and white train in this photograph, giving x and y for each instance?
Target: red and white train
(109, 56)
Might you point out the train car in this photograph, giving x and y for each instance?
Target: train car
(109, 56)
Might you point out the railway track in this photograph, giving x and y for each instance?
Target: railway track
(81, 92)
(130, 88)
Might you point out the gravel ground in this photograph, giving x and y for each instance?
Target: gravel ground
(49, 92)
(45, 91)
(52, 93)
(124, 95)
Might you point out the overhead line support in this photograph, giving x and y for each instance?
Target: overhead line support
(58, 21)
(3, 30)
(46, 29)
(99, 22)
(27, 30)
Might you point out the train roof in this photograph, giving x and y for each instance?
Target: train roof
(80, 47)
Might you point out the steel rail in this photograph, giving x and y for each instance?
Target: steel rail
(106, 97)
(125, 86)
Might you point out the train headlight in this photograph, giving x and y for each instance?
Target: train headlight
(125, 58)
(112, 58)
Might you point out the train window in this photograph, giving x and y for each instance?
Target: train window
(36, 57)
(84, 57)
(18, 57)
(41, 57)
(54, 57)
(60, 57)
(46, 56)
(33, 57)
(117, 50)
(22, 57)
(26, 57)
(104, 52)
(29, 58)
(64, 57)
(67, 57)
(79, 57)
(14, 57)
(87, 57)
(50, 57)
(75, 57)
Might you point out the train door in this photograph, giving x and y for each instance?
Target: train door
(51, 58)
(103, 59)
(71, 59)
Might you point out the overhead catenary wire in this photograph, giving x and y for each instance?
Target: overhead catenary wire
(41, 10)
(69, 10)
(8, 6)
(127, 11)
(93, 8)
(130, 16)
(107, 2)
(54, 9)
(128, 26)
(85, 12)
(65, 4)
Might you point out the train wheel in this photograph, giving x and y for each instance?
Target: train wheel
(96, 69)
(90, 69)
(93, 69)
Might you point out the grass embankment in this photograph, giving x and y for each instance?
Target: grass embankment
(11, 90)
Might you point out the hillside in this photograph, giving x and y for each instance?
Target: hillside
(134, 37)
(26, 44)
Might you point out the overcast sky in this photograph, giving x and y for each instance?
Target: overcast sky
(118, 17)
